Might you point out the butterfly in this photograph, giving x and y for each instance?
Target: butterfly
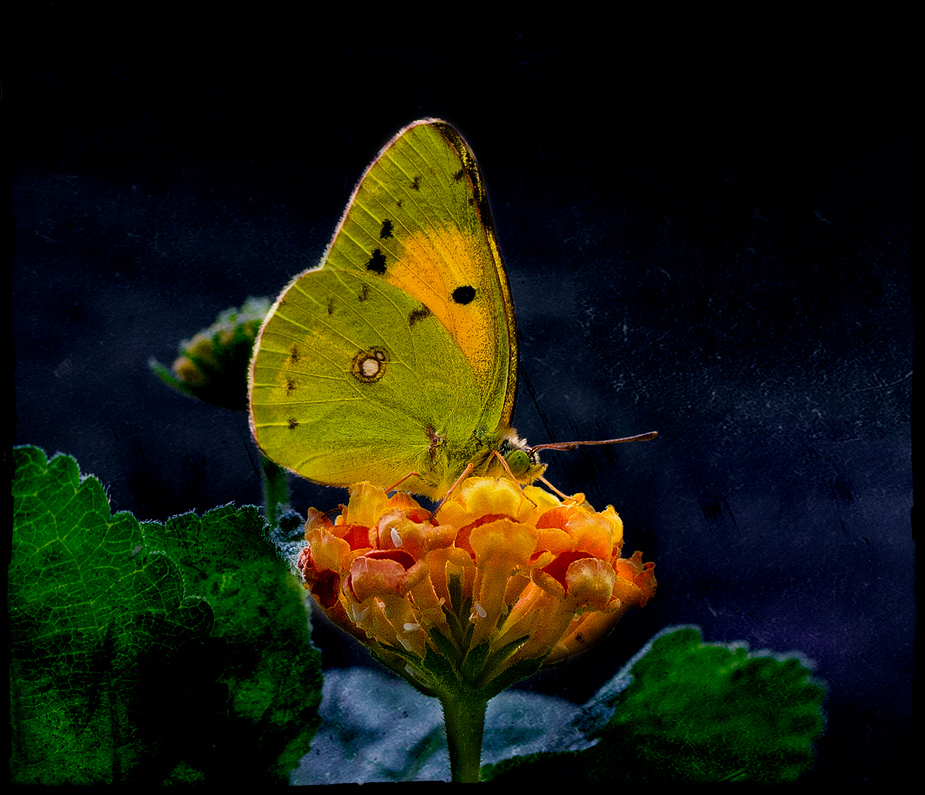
(395, 360)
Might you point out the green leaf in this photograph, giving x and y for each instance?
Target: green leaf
(272, 671)
(706, 712)
(149, 653)
(696, 712)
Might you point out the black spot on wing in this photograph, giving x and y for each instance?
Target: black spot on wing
(459, 175)
(293, 423)
(330, 306)
(364, 293)
(464, 295)
(294, 354)
(386, 230)
(418, 315)
(376, 262)
(416, 183)
(290, 386)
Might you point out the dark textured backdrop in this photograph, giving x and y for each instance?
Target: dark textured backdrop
(706, 234)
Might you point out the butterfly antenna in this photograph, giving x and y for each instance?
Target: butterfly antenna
(641, 437)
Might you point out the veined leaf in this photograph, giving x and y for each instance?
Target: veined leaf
(145, 653)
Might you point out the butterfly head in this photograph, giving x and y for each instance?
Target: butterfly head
(522, 461)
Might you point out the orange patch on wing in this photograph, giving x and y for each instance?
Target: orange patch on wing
(431, 268)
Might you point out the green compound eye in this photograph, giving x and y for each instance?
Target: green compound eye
(518, 461)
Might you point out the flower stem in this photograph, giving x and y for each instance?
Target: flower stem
(464, 719)
(275, 488)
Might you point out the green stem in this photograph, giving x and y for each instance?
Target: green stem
(275, 488)
(464, 719)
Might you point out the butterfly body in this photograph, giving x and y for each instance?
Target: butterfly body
(396, 359)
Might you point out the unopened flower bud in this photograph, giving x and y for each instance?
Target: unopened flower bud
(212, 366)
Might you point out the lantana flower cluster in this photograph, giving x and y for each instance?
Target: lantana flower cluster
(500, 580)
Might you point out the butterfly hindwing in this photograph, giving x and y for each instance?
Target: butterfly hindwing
(355, 379)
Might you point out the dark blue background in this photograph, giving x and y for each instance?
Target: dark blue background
(705, 227)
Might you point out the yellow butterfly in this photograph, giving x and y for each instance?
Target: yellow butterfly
(395, 360)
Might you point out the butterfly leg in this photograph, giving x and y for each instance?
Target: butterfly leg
(451, 489)
(401, 480)
(549, 485)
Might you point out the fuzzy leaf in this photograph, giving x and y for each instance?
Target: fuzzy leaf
(141, 657)
(694, 712)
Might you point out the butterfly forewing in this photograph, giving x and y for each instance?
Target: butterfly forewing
(419, 219)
